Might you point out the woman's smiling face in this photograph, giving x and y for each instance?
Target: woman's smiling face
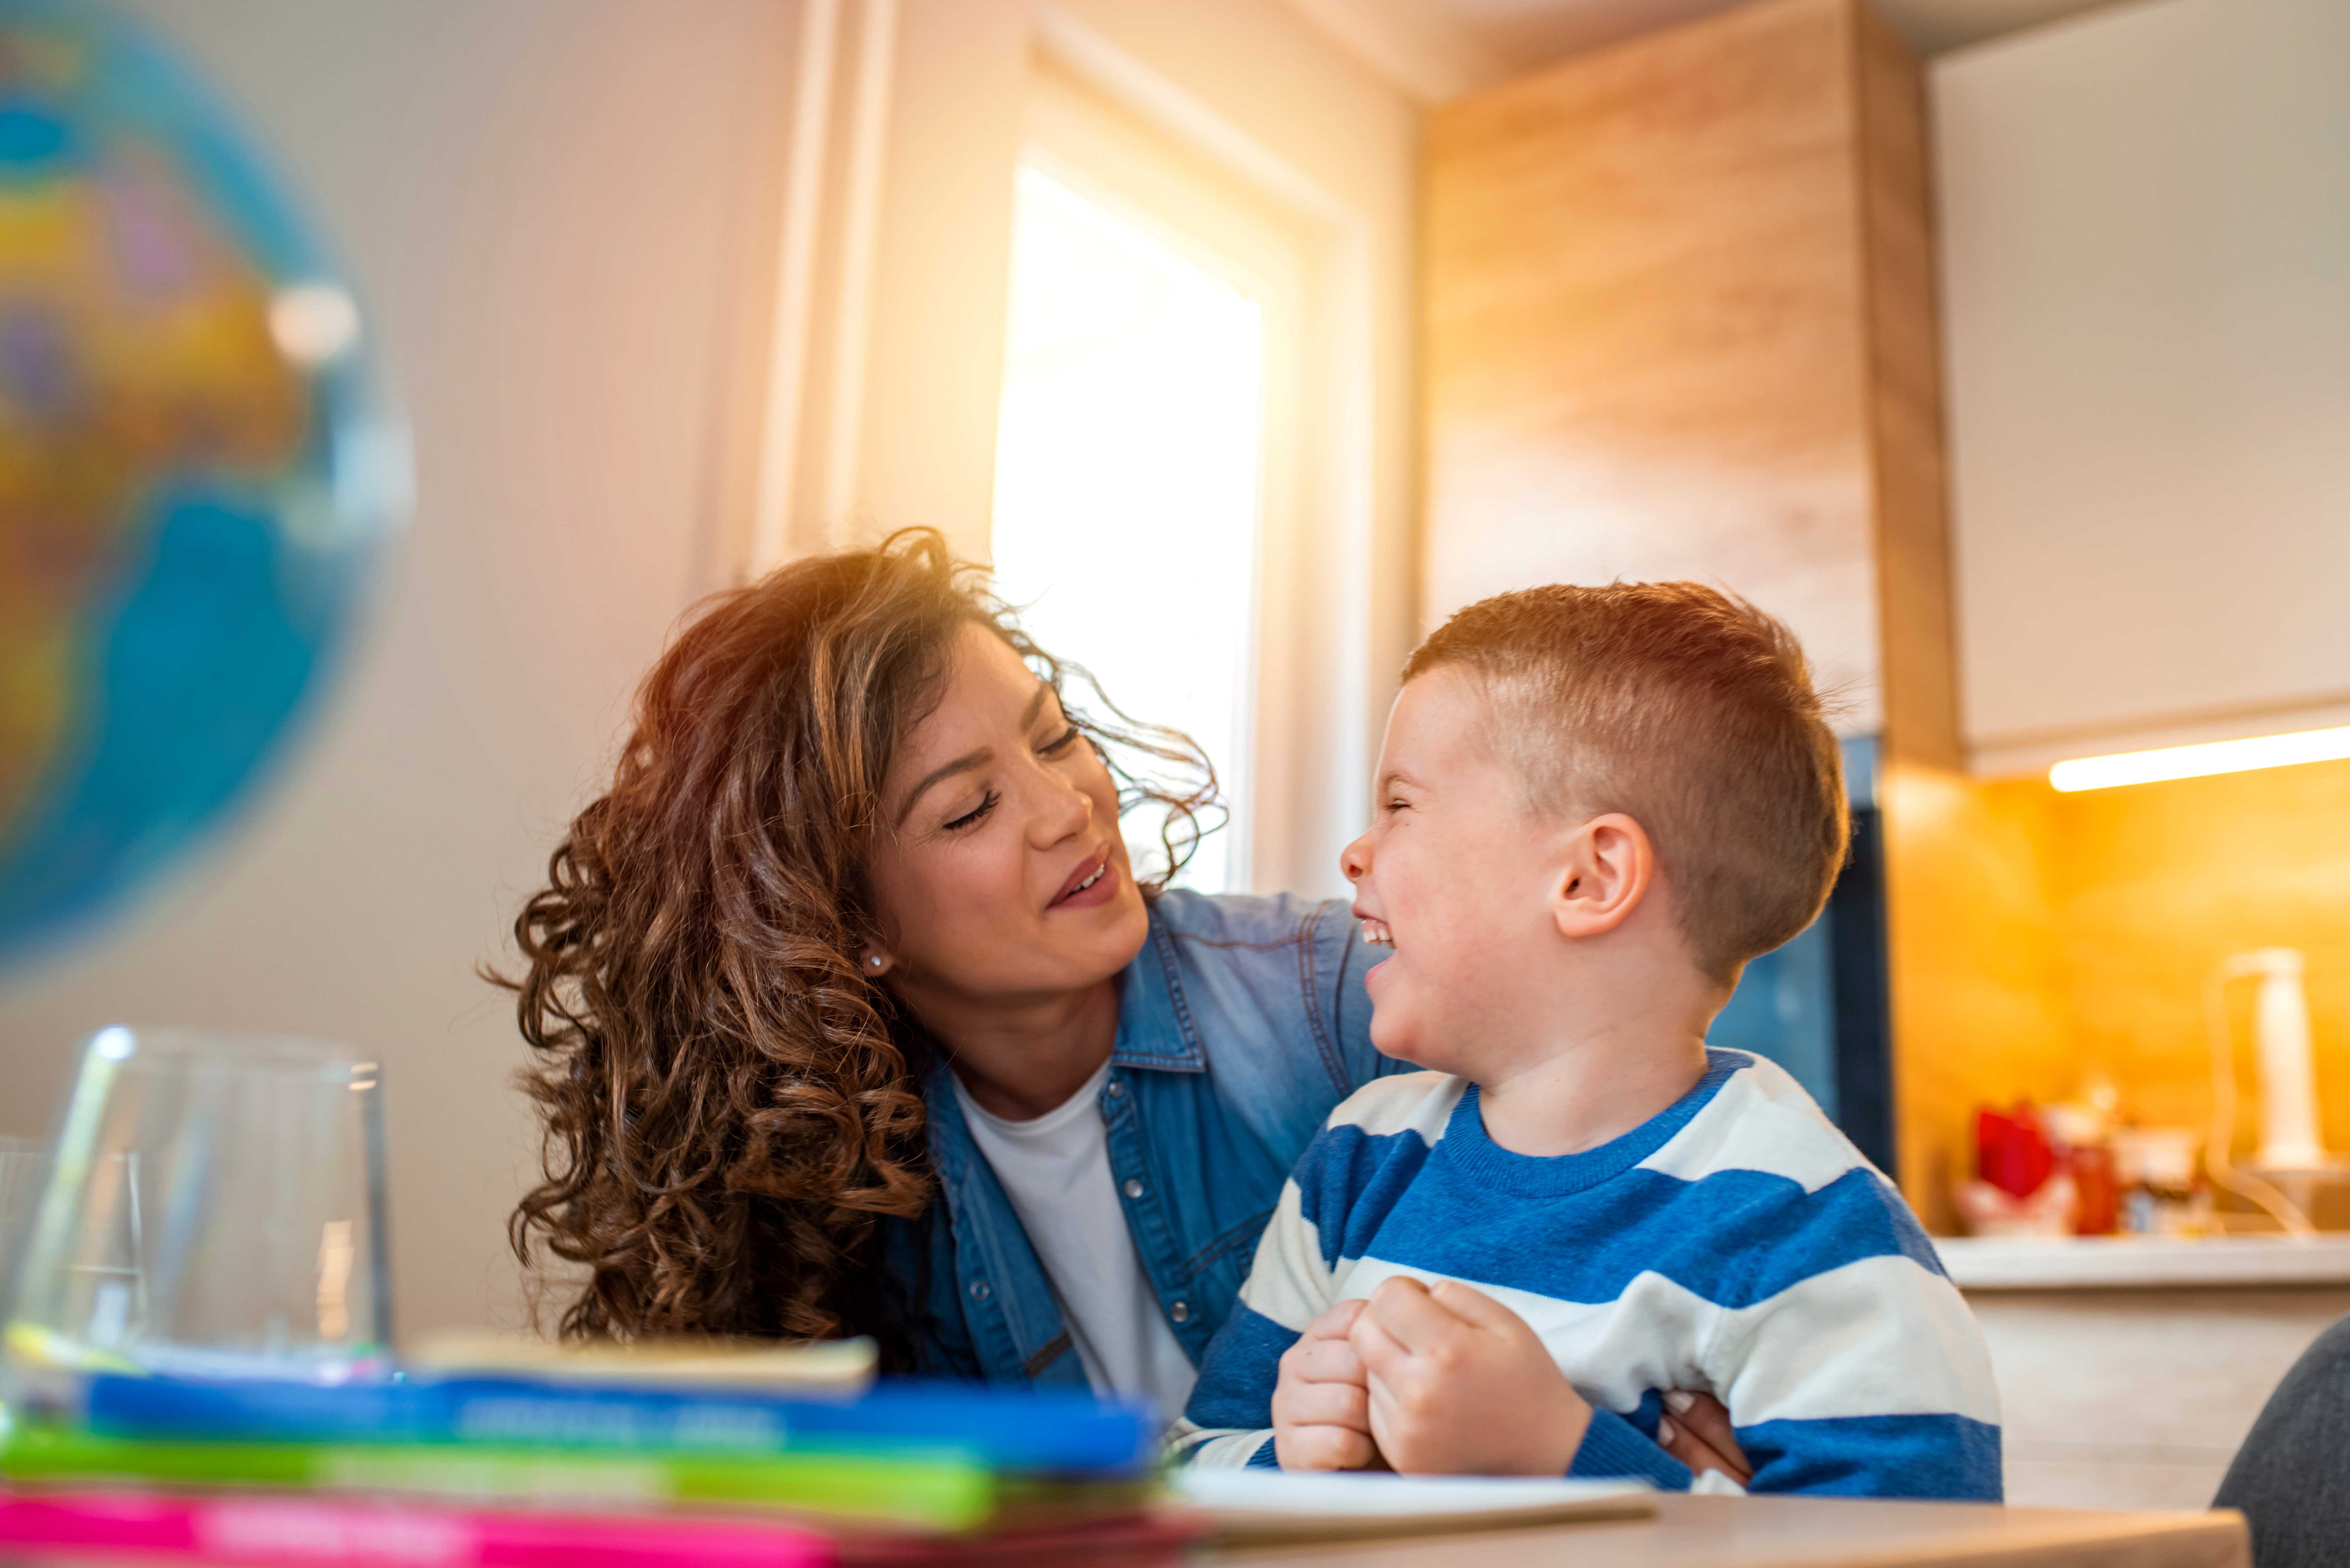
(999, 871)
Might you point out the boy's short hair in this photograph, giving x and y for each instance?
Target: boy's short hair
(1688, 710)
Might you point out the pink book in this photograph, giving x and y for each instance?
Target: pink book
(260, 1531)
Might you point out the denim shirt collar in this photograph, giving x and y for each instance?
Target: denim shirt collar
(1154, 1029)
(1154, 1024)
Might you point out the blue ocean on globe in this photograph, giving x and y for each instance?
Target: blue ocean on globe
(198, 473)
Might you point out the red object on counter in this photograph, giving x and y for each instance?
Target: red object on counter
(2099, 1211)
(2012, 1153)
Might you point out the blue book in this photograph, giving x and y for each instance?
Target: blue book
(1011, 1431)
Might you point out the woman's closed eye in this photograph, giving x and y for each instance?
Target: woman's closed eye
(1060, 743)
(972, 818)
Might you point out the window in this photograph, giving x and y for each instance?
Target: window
(1131, 476)
(1185, 491)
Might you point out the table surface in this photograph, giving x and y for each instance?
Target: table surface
(1815, 1532)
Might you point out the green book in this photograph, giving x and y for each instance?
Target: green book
(945, 1490)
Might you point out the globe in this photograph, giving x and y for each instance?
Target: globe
(197, 474)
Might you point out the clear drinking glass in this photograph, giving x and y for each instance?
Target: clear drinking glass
(24, 1171)
(216, 1207)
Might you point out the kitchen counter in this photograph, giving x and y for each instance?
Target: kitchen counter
(2143, 1263)
(2130, 1367)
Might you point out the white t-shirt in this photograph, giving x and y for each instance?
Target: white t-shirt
(1055, 1169)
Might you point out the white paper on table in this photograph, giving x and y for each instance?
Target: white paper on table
(1286, 1504)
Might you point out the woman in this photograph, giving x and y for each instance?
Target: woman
(852, 1016)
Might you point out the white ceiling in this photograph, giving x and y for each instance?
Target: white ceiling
(1438, 49)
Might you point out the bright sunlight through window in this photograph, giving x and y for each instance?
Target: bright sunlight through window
(1128, 479)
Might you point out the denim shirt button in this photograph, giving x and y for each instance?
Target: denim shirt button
(1134, 1187)
(978, 1291)
(1117, 1089)
(1181, 1312)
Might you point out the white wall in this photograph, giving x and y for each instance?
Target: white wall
(556, 208)
(2145, 235)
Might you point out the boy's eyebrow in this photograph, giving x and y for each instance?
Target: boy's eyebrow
(969, 759)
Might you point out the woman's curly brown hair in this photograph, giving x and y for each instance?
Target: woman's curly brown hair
(730, 1107)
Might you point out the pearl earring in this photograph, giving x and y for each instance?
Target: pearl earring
(875, 960)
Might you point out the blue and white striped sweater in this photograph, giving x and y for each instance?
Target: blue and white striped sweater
(1737, 1243)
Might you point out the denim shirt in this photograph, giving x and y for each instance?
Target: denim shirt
(1240, 1025)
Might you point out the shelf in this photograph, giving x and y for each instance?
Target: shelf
(2138, 1262)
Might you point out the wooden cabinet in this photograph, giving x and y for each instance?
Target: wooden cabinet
(1679, 321)
(1680, 324)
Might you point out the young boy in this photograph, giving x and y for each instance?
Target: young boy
(1594, 806)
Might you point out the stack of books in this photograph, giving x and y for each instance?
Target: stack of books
(529, 1467)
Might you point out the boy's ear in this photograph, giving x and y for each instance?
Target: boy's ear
(1609, 865)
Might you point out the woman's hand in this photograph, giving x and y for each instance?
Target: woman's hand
(1696, 1430)
(1320, 1407)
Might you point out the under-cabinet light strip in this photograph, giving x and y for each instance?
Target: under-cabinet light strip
(2196, 762)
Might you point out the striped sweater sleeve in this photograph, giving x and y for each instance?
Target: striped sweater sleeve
(1865, 1376)
(1849, 1362)
(1229, 1420)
